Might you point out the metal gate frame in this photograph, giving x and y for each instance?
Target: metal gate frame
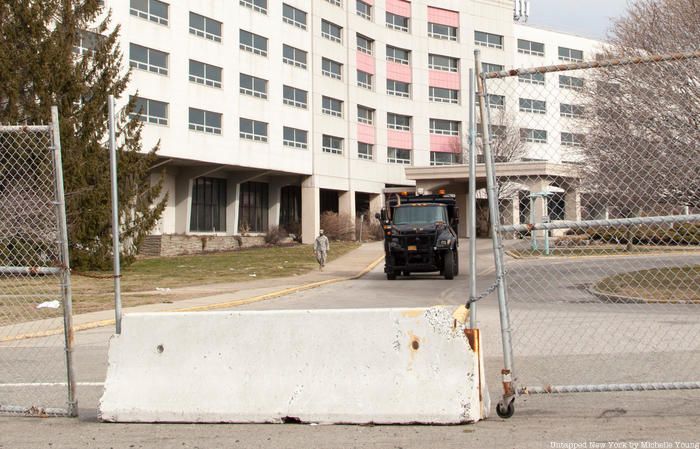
(506, 407)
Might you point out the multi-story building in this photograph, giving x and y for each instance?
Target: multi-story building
(269, 112)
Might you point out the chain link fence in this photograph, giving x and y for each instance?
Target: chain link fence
(35, 344)
(597, 170)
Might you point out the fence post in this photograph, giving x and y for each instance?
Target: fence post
(66, 291)
(471, 222)
(115, 218)
(505, 407)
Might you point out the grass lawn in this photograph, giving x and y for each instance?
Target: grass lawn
(143, 277)
(606, 250)
(662, 284)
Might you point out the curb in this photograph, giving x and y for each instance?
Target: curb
(622, 299)
(223, 305)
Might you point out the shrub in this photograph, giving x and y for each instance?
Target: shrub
(274, 235)
(371, 229)
(337, 226)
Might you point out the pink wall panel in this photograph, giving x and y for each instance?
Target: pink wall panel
(365, 133)
(398, 72)
(399, 139)
(399, 7)
(447, 80)
(365, 62)
(443, 16)
(445, 144)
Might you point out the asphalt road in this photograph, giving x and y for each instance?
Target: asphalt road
(562, 334)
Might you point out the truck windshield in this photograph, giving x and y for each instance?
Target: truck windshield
(419, 214)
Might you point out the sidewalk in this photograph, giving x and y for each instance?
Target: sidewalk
(217, 296)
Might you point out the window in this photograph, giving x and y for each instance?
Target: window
(253, 207)
(534, 106)
(365, 44)
(569, 54)
(332, 106)
(398, 121)
(532, 78)
(331, 68)
(398, 156)
(495, 132)
(150, 111)
(292, 137)
(399, 55)
(533, 135)
(488, 40)
(205, 121)
(530, 48)
(444, 63)
(335, 2)
(496, 101)
(205, 27)
(442, 95)
(251, 85)
(252, 130)
(444, 127)
(398, 88)
(572, 139)
(571, 110)
(488, 67)
(365, 151)
(363, 9)
(152, 10)
(255, 5)
(332, 144)
(397, 22)
(208, 212)
(293, 16)
(148, 59)
(294, 97)
(439, 31)
(253, 43)
(364, 79)
(293, 56)
(570, 82)
(365, 115)
(207, 74)
(88, 42)
(331, 31)
(442, 158)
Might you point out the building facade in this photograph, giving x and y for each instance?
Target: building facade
(269, 112)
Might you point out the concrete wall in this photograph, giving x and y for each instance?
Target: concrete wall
(178, 244)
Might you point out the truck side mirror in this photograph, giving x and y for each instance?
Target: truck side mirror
(456, 214)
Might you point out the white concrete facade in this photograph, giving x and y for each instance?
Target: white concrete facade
(190, 154)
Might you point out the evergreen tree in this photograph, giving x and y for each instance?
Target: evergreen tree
(42, 64)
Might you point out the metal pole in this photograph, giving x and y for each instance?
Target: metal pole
(471, 220)
(505, 407)
(66, 291)
(115, 218)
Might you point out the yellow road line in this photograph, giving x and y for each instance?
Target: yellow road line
(223, 305)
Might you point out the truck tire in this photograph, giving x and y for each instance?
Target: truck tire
(391, 275)
(449, 266)
(456, 253)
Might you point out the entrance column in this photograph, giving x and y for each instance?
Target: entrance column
(310, 210)
(346, 207)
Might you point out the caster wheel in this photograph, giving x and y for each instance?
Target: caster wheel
(506, 412)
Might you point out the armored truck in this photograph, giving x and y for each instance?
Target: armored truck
(420, 234)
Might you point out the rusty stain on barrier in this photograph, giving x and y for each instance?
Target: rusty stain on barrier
(614, 62)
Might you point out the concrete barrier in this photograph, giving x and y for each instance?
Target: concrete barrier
(325, 366)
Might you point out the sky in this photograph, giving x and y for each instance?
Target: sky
(590, 18)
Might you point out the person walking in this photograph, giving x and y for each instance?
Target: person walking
(321, 248)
